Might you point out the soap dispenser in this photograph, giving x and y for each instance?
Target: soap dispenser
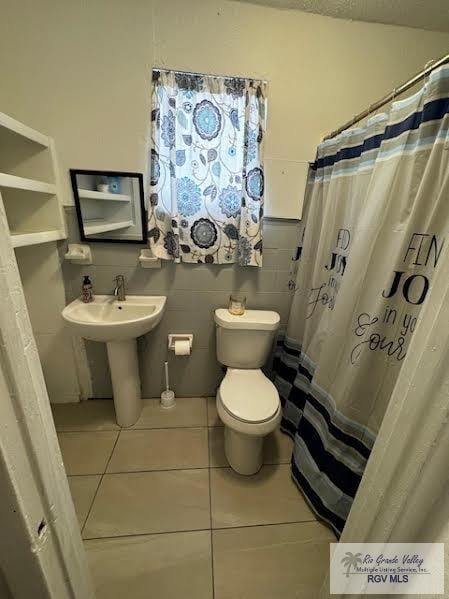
(87, 295)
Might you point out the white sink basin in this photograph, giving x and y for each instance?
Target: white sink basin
(118, 324)
(106, 319)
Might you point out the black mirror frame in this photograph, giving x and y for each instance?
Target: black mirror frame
(139, 176)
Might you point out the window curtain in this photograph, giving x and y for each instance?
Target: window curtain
(206, 171)
(376, 226)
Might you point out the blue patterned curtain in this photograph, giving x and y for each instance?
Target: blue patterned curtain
(207, 181)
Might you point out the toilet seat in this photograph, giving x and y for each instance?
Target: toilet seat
(249, 396)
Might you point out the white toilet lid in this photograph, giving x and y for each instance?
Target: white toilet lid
(249, 395)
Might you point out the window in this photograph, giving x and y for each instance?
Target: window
(206, 171)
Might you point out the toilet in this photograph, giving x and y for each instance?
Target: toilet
(247, 401)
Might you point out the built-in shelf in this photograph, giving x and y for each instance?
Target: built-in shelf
(88, 194)
(101, 226)
(13, 182)
(21, 239)
(36, 216)
(7, 122)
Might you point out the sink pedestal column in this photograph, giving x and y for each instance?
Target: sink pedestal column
(125, 377)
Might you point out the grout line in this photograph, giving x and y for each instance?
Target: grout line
(134, 429)
(212, 562)
(187, 530)
(266, 524)
(207, 412)
(99, 484)
(210, 511)
(179, 469)
(164, 428)
(174, 469)
(90, 507)
(82, 431)
(147, 534)
(112, 452)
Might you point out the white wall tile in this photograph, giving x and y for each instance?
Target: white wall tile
(45, 294)
(280, 234)
(43, 286)
(193, 292)
(56, 355)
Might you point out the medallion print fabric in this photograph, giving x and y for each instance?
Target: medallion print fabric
(374, 229)
(206, 170)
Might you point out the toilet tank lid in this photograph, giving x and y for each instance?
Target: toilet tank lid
(263, 320)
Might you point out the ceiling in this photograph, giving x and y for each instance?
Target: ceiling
(422, 14)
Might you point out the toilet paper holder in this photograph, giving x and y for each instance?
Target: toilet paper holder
(172, 338)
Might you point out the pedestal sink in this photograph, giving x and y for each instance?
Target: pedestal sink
(118, 324)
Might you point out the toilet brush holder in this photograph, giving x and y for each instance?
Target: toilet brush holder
(168, 399)
(167, 396)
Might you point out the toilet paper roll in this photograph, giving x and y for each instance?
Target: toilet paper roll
(182, 348)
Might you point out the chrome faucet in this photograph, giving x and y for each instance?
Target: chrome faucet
(119, 290)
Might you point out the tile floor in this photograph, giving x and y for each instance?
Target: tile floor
(162, 515)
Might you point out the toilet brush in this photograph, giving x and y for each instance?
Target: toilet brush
(167, 396)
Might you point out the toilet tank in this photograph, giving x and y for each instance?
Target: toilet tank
(245, 341)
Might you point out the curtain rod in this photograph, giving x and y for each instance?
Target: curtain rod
(158, 70)
(391, 96)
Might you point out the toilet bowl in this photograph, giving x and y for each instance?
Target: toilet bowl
(249, 407)
(247, 401)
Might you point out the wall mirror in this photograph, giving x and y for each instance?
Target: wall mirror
(109, 205)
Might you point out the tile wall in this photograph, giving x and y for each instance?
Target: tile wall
(43, 286)
(193, 292)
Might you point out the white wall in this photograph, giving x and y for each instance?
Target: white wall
(80, 72)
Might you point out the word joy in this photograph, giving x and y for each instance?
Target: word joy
(423, 250)
(326, 293)
(337, 261)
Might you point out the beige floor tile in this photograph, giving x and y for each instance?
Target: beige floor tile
(90, 415)
(217, 456)
(277, 448)
(286, 561)
(268, 497)
(167, 566)
(189, 412)
(160, 449)
(148, 502)
(83, 490)
(212, 416)
(87, 453)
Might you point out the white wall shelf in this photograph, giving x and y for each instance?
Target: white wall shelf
(21, 239)
(88, 194)
(102, 226)
(10, 124)
(35, 216)
(13, 182)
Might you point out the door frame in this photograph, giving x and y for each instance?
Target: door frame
(42, 554)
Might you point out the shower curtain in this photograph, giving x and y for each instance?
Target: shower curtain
(375, 225)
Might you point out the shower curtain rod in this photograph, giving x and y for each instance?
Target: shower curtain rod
(391, 96)
(159, 70)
